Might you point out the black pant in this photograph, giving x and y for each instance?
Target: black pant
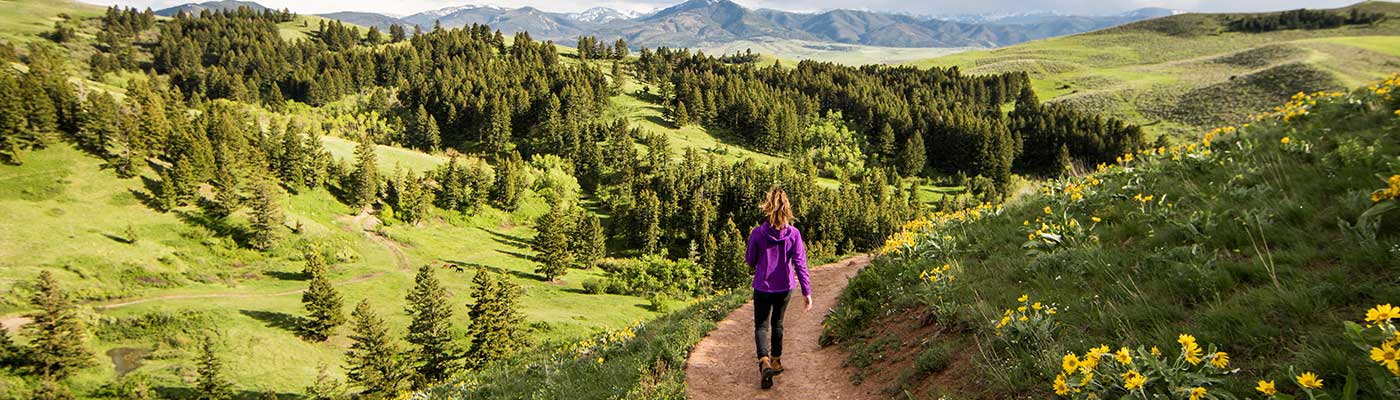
(768, 308)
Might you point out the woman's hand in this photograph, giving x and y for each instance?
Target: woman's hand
(809, 302)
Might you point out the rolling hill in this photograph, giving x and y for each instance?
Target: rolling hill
(1185, 73)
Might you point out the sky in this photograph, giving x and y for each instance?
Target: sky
(927, 7)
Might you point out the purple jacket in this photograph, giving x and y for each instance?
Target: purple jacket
(774, 255)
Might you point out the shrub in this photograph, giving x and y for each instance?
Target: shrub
(594, 286)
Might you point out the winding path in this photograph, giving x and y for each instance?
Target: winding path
(722, 366)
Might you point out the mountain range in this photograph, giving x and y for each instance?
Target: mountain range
(701, 23)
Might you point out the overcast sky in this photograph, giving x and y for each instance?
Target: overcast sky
(934, 7)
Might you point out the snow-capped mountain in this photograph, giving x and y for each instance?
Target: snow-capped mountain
(598, 15)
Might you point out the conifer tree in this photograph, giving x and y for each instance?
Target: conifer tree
(266, 218)
(373, 362)
(321, 299)
(648, 214)
(50, 389)
(680, 116)
(884, 144)
(57, 337)
(911, 158)
(619, 76)
(496, 132)
(436, 355)
(14, 125)
(396, 33)
(730, 270)
(509, 183)
(326, 387)
(211, 384)
(589, 243)
(427, 136)
(363, 188)
(226, 186)
(374, 37)
(496, 319)
(552, 241)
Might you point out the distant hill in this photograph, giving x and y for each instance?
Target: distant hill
(195, 8)
(1186, 73)
(364, 19)
(709, 23)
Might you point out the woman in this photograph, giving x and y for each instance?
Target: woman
(779, 260)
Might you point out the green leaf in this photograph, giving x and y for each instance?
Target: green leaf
(1349, 390)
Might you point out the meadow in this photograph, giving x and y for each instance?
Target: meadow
(1183, 74)
(1244, 263)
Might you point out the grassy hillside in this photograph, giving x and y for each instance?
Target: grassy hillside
(1262, 241)
(1184, 73)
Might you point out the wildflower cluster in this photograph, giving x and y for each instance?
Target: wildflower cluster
(1385, 88)
(1301, 104)
(1102, 373)
(938, 282)
(1057, 230)
(1029, 320)
(1391, 191)
(932, 233)
(1379, 337)
(593, 346)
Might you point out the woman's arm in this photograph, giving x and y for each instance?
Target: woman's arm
(799, 264)
(751, 251)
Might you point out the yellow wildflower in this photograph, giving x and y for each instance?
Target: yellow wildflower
(1286, 140)
(1047, 210)
(1133, 380)
(1070, 363)
(1023, 298)
(1267, 388)
(1124, 357)
(1309, 380)
(1198, 393)
(1220, 360)
(1387, 356)
(1061, 386)
(1382, 313)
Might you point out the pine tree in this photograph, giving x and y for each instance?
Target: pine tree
(496, 132)
(13, 120)
(884, 144)
(226, 186)
(57, 337)
(427, 136)
(373, 361)
(619, 76)
(396, 33)
(911, 158)
(326, 387)
(589, 243)
(374, 37)
(496, 319)
(50, 389)
(364, 183)
(321, 299)
(552, 241)
(436, 356)
(731, 269)
(211, 384)
(509, 183)
(648, 214)
(266, 218)
(680, 116)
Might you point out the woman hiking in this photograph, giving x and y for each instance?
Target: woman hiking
(779, 260)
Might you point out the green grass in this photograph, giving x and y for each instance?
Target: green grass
(66, 214)
(1157, 73)
(23, 20)
(647, 366)
(643, 110)
(1193, 260)
(390, 158)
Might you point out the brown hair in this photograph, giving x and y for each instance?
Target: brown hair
(777, 209)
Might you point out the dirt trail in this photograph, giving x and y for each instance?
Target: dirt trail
(722, 366)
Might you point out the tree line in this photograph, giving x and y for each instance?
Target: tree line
(915, 122)
(1301, 19)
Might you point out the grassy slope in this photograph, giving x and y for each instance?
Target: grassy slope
(66, 214)
(1193, 260)
(849, 54)
(1179, 74)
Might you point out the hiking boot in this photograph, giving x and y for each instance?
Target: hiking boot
(765, 368)
(777, 365)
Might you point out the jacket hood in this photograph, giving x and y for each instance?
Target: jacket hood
(775, 235)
